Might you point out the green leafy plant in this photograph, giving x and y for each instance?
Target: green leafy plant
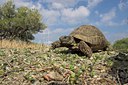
(92, 73)
(121, 45)
(2, 53)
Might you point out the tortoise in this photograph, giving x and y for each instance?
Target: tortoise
(86, 39)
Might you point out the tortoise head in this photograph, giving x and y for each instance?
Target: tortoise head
(67, 40)
(56, 44)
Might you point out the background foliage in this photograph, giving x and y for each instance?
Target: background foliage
(121, 45)
(19, 23)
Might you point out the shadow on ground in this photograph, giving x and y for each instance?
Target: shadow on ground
(119, 69)
(64, 50)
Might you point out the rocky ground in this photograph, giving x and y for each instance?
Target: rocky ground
(60, 67)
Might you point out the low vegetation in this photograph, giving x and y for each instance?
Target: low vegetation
(121, 45)
(20, 44)
(33, 65)
(29, 63)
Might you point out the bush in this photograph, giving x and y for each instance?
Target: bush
(121, 45)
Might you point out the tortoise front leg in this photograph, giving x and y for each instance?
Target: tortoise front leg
(84, 48)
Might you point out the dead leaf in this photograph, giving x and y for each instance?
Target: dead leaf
(53, 76)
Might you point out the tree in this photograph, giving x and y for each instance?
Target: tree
(19, 23)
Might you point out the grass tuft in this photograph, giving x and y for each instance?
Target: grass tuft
(20, 44)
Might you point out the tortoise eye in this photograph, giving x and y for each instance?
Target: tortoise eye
(65, 37)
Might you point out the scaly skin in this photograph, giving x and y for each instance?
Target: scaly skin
(84, 48)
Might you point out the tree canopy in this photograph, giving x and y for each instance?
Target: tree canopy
(19, 23)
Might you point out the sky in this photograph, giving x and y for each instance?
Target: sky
(63, 16)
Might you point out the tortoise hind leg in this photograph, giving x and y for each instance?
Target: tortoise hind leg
(84, 48)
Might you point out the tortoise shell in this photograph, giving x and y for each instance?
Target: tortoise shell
(91, 35)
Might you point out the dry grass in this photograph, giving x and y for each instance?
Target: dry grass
(19, 44)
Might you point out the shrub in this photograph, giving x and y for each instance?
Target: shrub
(121, 45)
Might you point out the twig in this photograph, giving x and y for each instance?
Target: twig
(9, 64)
(118, 78)
(6, 74)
